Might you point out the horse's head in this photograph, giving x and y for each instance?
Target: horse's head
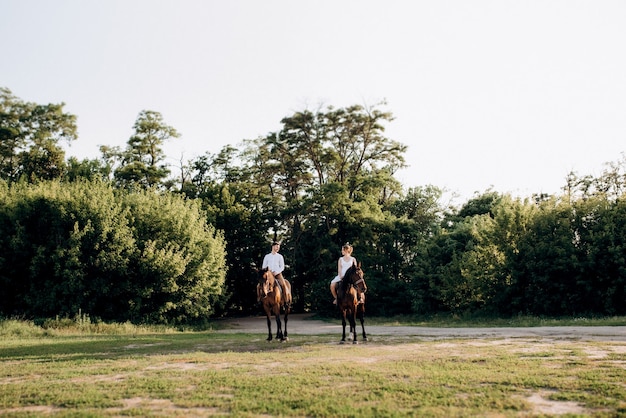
(354, 276)
(266, 281)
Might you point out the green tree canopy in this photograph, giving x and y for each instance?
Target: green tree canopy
(29, 138)
(142, 162)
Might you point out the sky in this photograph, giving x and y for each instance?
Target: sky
(501, 95)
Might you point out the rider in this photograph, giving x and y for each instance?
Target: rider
(343, 264)
(275, 262)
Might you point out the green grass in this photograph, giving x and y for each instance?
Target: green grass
(165, 372)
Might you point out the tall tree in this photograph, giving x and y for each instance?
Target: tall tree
(142, 162)
(323, 179)
(29, 138)
(238, 206)
(329, 174)
(341, 145)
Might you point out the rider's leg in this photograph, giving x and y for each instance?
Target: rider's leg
(281, 281)
(362, 289)
(333, 291)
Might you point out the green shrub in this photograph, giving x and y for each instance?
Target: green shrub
(120, 255)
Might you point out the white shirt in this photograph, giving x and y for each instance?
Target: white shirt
(345, 265)
(275, 262)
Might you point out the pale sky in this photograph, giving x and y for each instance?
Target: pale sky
(507, 95)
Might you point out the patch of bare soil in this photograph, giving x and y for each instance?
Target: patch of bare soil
(542, 405)
(163, 408)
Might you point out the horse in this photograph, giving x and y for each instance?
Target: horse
(351, 301)
(272, 298)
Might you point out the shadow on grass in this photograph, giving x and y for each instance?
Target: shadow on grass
(78, 348)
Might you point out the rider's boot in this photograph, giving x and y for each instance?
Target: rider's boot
(361, 297)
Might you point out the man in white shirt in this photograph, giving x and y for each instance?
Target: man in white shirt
(276, 264)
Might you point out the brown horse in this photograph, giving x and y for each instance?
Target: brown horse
(351, 301)
(273, 298)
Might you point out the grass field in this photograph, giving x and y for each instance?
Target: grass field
(129, 371)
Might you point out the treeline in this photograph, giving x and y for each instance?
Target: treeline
(123, 238)
(552, 256)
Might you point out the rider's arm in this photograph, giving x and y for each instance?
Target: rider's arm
(265, 262)
(281, 265)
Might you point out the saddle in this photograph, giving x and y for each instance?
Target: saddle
(285, 292)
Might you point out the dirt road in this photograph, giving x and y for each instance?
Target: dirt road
(303, 324)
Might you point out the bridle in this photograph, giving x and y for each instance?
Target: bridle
(361, 280)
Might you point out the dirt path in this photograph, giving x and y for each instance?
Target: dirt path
(303, 324)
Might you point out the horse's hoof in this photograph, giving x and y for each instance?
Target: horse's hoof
(342, 342)
(355, 342)
(285, 339)
(364, 338)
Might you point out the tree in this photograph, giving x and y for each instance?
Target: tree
(326, 172)
(87, 169)
(141, 163)
(340, 145)
(547, 272)
(418, 218)
(480, 204)
(237, 206)
(323, 179)
(179, 264)
(29, 138)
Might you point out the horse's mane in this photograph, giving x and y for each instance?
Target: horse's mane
(265, 270)
(352, 270)
(348, 277)
(353, 276)
(271, 278)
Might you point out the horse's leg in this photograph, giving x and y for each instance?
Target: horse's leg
(285, 334)
(343, 325)
(269, 323)
(353, 325)
(279, 329)
(361, 315)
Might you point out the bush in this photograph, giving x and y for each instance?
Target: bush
(122, 256)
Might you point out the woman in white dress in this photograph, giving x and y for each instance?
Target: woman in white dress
(343, 264)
